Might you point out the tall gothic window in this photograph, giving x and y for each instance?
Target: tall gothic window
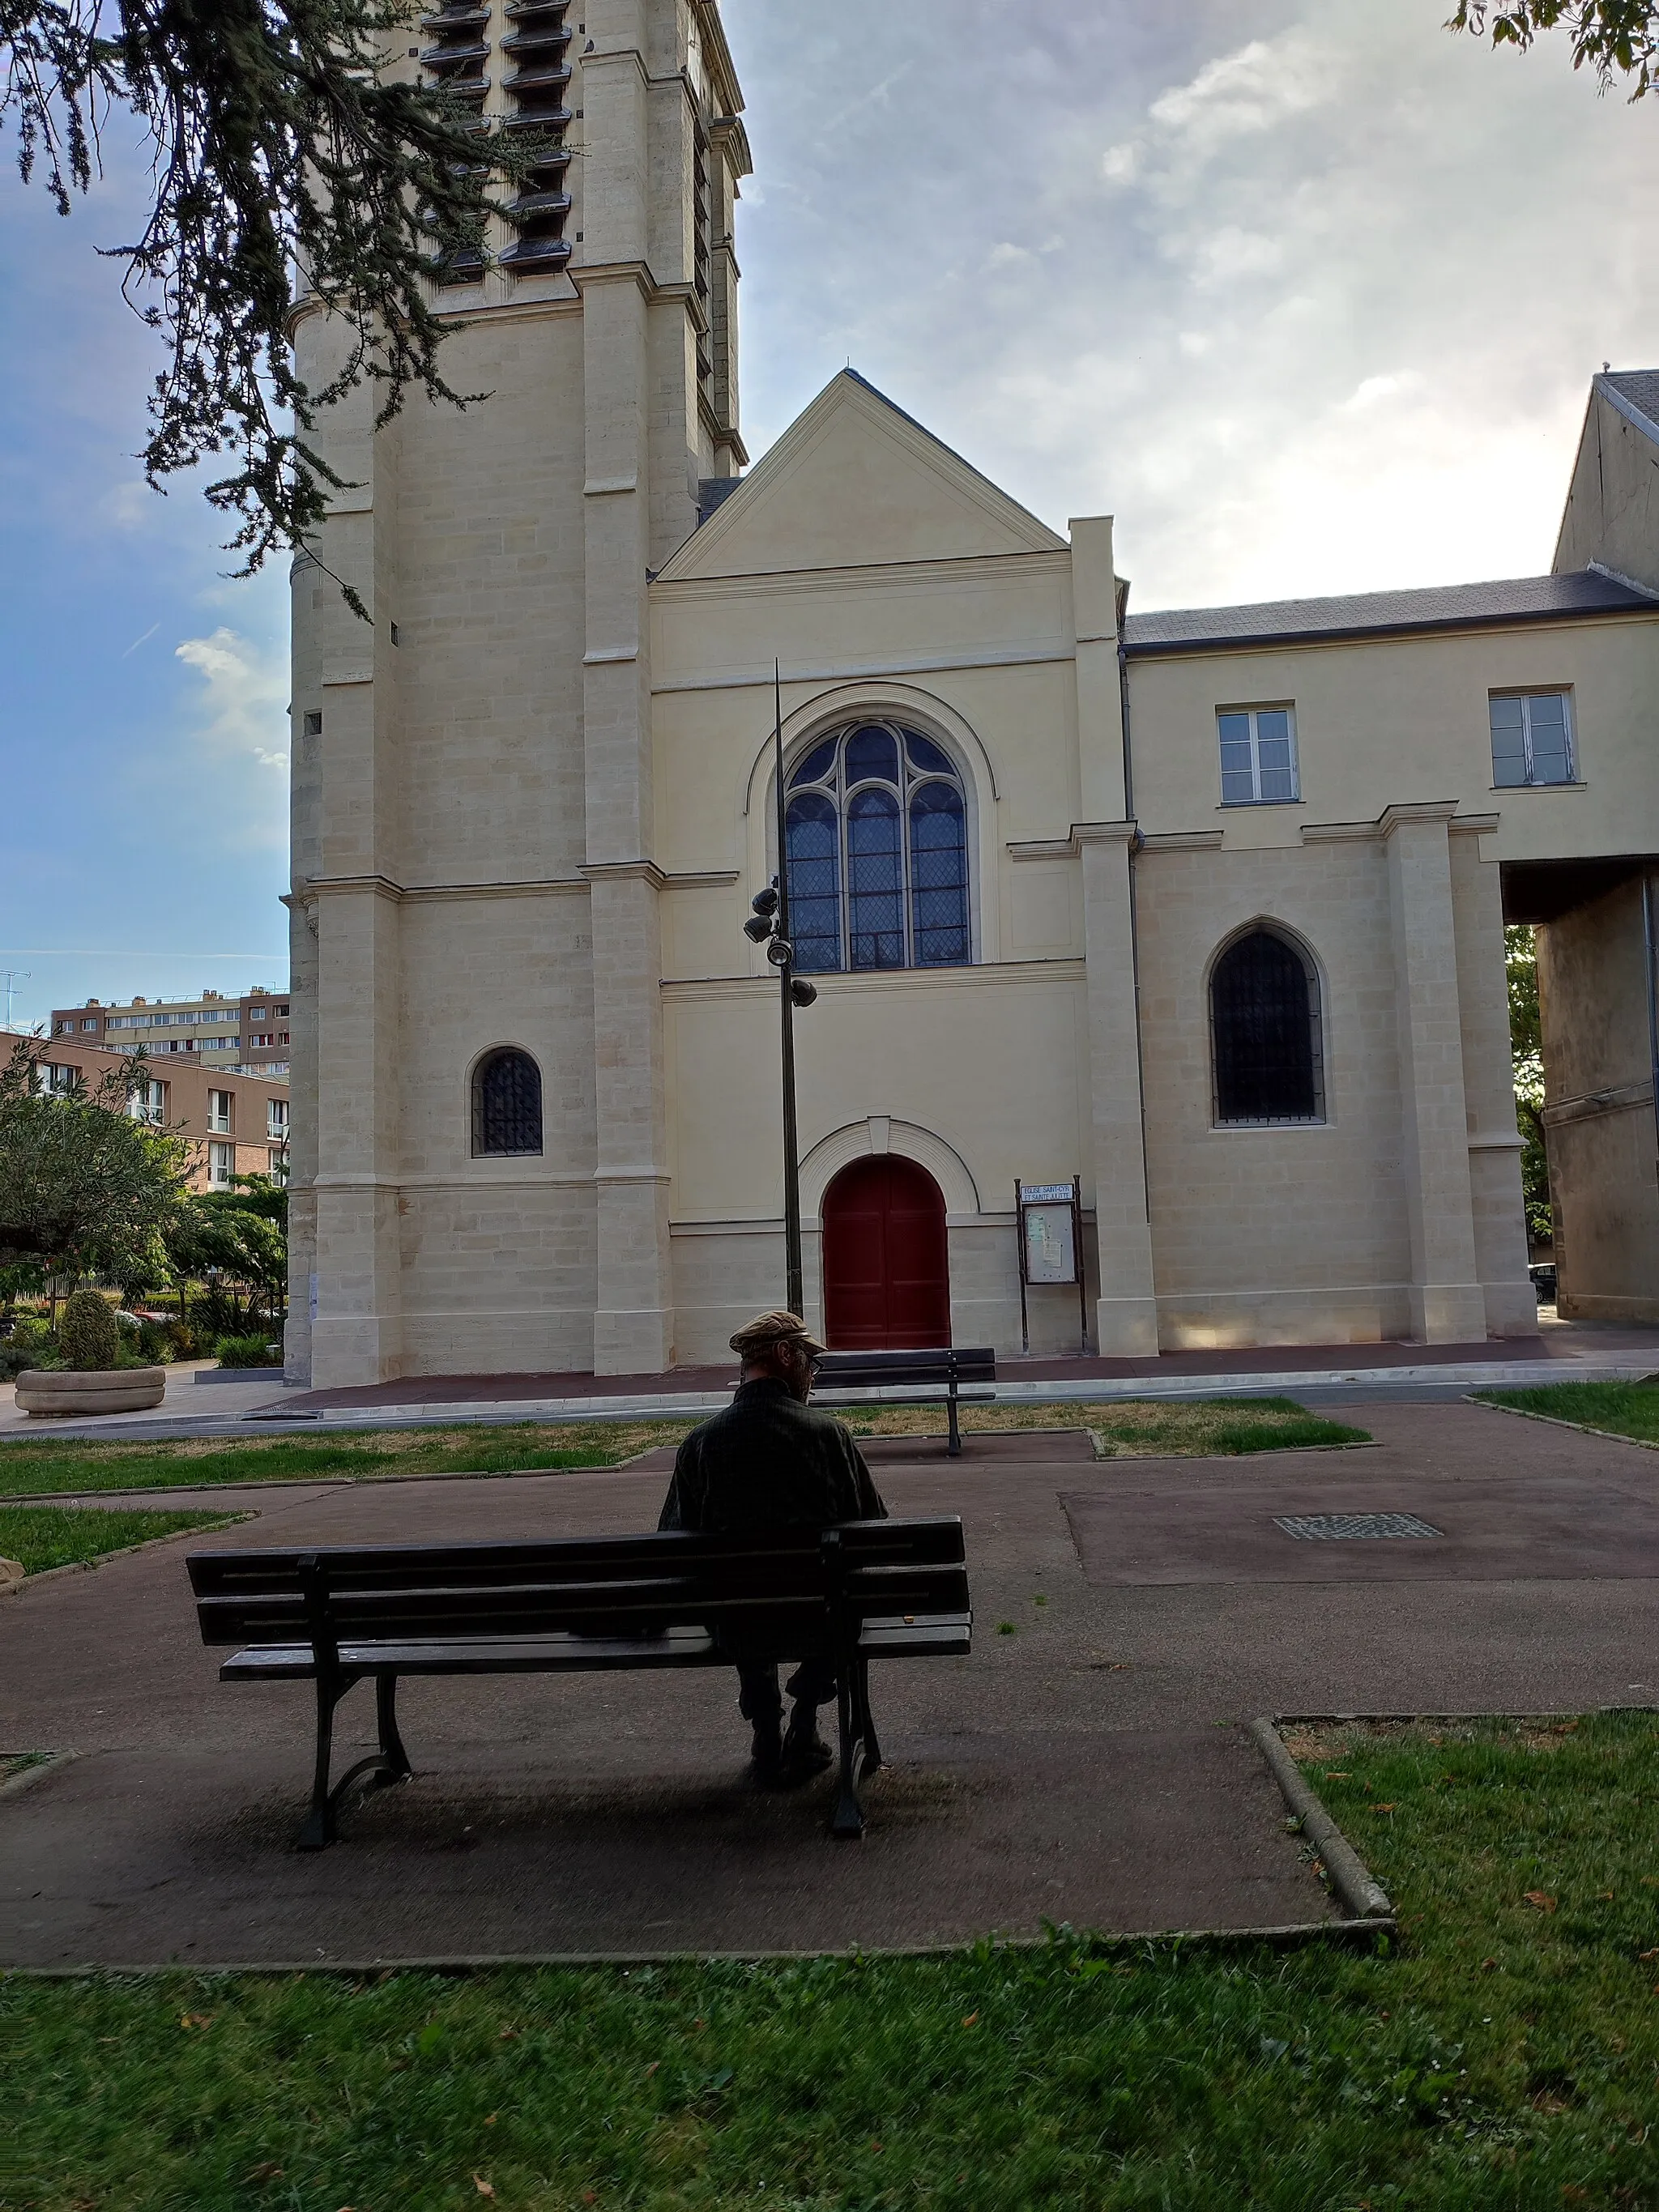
(878, 830)
(1264, 1018)
(507, 1105)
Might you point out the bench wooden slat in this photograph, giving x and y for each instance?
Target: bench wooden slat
(925, 1636)
(538, 1611)
(397, 1566)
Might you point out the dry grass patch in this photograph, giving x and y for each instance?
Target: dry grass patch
(1136, 1428)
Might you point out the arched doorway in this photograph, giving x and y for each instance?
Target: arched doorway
(886, 1269)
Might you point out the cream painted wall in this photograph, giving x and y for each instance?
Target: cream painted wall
(1392, 719)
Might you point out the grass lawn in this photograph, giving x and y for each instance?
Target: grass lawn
(43, 1536)
(1503, 2055)
(1626, 1409)
(72, 1464)
(1131, 1430)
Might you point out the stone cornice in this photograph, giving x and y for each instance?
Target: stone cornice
(400, 894)
(645, 872)
(1396, 817)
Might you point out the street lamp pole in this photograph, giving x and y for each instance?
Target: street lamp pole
(795, 1294)
(768, 925)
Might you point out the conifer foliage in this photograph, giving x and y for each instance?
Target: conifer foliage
(275, 144)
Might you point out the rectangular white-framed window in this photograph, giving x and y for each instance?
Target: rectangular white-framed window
(278, 1168)
(1532, 739)
(277, 1117)
(219, 1110)
(149, 1102)
(53, 1081)
(222, 1165)
(1258, 755)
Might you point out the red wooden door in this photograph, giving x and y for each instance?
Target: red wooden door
(886, 1273)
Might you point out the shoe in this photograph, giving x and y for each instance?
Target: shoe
(766, 1751)
(804, 1752)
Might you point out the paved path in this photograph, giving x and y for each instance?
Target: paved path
(1318, 1374)
(1089, 1768)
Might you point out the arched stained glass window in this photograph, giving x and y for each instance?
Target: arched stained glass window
(507, 1106)
(1264, 1018)
(878, 830)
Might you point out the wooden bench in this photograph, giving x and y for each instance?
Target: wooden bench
(864, 1590)
(934, 1377)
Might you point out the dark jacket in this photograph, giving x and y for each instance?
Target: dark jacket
(767, 1461)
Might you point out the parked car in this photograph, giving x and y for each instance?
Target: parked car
(1543, 1281)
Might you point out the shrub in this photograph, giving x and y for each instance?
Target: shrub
(87, 1333)
(248, 1351)
(155, 1342)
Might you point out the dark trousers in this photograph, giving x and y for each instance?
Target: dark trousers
(812, 1683)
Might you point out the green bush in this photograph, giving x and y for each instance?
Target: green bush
(87, 1334)
(248, 1351)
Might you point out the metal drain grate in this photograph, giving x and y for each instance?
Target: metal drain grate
(1350, 1527)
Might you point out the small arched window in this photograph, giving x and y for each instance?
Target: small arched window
(507, 1106)
(1264, 1020)
(878, 830)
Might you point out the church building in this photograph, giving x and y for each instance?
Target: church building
(1203, 908)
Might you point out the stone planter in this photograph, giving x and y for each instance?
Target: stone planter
(86, 1390)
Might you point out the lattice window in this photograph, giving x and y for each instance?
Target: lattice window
(878, 828)
(507, 1106)
(1264, 1018)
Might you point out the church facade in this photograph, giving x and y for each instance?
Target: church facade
(1203, 908)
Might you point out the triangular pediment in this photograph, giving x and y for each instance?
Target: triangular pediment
(855, 483)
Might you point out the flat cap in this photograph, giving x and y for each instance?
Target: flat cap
(769, 1329)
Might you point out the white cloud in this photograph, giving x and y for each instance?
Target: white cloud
(247, 690)
(1329, 288)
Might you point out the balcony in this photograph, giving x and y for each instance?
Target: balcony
(541, 118)
(459, 18)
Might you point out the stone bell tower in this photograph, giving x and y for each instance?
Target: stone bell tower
(473, 865)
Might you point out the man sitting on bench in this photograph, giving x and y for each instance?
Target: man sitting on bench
(769, 1463)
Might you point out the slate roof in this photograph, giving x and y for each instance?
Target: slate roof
(1639, 389)
(1583, 592)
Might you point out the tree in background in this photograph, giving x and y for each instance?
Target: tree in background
(86, 1189)
(235, 1243)
(273, 143)
(1616, 38)
(1527, 1057)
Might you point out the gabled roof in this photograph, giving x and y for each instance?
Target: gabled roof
(855, 481)
(1581, 593)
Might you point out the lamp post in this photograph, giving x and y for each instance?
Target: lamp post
(768, 925)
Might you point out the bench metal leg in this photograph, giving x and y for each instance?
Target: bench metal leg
(955, 1450)
(319, 1827)
(385, 1767)
(866, 1726)
(397, 1768)
(848, 1821)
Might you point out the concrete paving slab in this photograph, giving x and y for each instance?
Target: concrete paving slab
(1539, 1527)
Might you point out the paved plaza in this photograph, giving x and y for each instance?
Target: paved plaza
(1090, 1768)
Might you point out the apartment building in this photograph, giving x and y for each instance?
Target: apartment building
(238, 1122)
(245, 1036)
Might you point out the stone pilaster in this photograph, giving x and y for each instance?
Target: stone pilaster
(1126, 1313)
(633, 1322)
(1446, 1300)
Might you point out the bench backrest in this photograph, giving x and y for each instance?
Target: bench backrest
(785, 1582)
(868, 1370)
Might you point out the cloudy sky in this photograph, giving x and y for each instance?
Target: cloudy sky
(1307, 293)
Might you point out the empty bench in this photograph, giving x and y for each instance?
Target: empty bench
(942, 1377)
(864, 1590)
